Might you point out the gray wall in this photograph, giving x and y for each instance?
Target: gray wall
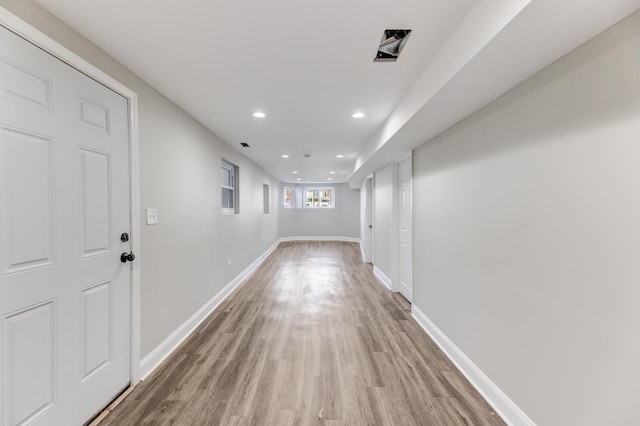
(527, 236)
(184, 257)
(341, 221)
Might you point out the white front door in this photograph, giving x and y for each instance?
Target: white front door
(404, 213)
(64, 203)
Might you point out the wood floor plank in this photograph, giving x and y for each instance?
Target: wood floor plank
(311, 338)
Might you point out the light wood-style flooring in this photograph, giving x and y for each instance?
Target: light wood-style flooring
(311, 338)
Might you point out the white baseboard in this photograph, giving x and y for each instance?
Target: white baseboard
(364, 257)
(505, 408)
(160, 353)
(382, 277)
(347, 239)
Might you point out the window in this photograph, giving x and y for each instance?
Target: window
(289, 197)
(298, 197)
(319, 197)
(229, 188)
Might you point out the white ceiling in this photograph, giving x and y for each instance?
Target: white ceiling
(309, 66)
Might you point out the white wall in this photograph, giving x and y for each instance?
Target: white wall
(527, 236)
(183, 261)
(383, 219)
(341, 221)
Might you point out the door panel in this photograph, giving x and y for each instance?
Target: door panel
(27, 209)
(64, 194)
(97, 326)
(29, 364)
(95, 202)
(24, 86)
(92, 115)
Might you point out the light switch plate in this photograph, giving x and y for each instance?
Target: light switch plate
(152, 216)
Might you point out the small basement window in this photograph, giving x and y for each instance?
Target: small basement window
(229, 173)
(319, 197)
(289, 197)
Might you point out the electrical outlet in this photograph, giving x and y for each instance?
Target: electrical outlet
(229, 262)
(152, 216)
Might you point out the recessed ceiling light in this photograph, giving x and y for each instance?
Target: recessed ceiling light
(259, 114)
(339, 156)
(285, 156)
(329, 179)
(294, 172)
(332, 173)
(298, 179)
(357, 115)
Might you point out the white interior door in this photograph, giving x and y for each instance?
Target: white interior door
(367, 237)
(404, 212)
(64, 203)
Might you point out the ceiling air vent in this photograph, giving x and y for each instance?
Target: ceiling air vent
(391, 45)
(244, 144)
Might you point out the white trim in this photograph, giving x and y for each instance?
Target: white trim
(382, 277)
(373, 219)
(166, 348)
(36, 37)
(134, 161)
(394, 282)
(409, 297)
(347, 239)
(505, 408)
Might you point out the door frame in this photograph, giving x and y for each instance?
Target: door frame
(367, 239)
(397, 223)
(372, 186)
(18, 26)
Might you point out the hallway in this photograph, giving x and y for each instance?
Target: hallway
(310, 338)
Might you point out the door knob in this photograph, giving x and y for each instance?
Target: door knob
(124, 257)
